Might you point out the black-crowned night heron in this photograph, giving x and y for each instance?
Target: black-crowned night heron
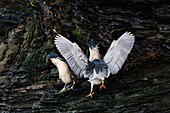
(95, 68)
(64, 73)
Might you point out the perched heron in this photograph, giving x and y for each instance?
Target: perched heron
(64, 73)
(95, 68)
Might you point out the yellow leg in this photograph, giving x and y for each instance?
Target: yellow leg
(63, 89)
(91, 92)
(102, 86)
(71, 86)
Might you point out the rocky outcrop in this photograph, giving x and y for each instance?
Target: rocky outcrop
(26, 39)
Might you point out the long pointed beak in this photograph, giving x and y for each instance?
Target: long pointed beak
(97, 44)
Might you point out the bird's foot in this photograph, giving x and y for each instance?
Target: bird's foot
(91, 95)
(70, 88)
(62, 90)
(102, 86)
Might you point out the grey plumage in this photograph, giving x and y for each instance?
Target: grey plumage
(118, 52)
(94, 68)
(72, 53)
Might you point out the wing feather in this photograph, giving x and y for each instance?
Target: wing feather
(72, 53)
(118, 52)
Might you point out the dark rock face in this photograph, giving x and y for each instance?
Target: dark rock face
(26, 39)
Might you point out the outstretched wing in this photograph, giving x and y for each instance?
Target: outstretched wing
(118, 52)
(72, 53)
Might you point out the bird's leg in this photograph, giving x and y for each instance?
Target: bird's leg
(102, 86)
(64, 88)
(91, 92)
(72, 86)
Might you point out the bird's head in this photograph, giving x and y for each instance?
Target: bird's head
(92, 44)
(54, 55)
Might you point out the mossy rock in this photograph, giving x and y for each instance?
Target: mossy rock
(34, 60)
(12, 53)
(15, 6)
(37, 40)
(19, 38)
(22, 69)
(36, 33)
(20, 57)
(34, 77)
(49, 47)
(35, 45)
(3, 48)
(29, 62)
(30, 33)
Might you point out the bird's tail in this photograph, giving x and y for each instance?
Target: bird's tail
(97, 70)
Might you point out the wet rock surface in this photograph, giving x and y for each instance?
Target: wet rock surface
(146, 90)
(26, 39)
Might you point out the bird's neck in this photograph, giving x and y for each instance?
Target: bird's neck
(54, 61)
(58, 63)
(61, 65)
(94, 54)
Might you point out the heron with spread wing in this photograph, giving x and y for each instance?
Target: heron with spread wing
(95, 68)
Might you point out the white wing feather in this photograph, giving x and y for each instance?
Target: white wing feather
(72, 53)
(118, 52)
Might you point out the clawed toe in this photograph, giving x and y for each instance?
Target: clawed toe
(91, 95)
(102, 86)
(61, 90)
(70, 88)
